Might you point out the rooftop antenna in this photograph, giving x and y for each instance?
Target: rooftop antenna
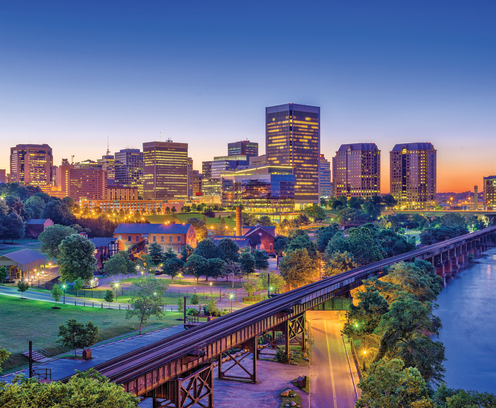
(160, 135)
(108, 150)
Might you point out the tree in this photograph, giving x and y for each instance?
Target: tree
(200, 228)
(449, 398)
(57, 293)
(109, 296)
(78, 285)
(247, 261)
(298, 268)
(265, 221)
(58, 212)
(169, 253)
(15, 205)
(146, 299)
(77, 335)
(340, 262)
(4, 273)
(197, 266)
(22, 287)
(14, 227)
(85, 389)
(51, 238)
(186, 252)
(280, 244)
(316, 212)
(277, 282)
(252, 285)
(34, 206)
(173, 209)
(228, 250)
(325, 235)
(300, 242)
(76, 258)
(4, 355)
(215, 267)
(156, 253)
(146, 262)
(232, 268)
(167, 210)
(114, 266)
(180, 305)
(363, 246)
(389, 385)
(194, 299)
(207, 249)
(173, 267)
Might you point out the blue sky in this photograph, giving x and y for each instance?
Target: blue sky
(73, 75)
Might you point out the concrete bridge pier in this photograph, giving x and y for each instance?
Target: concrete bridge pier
(440, 269)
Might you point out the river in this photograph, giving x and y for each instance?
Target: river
(467, 308)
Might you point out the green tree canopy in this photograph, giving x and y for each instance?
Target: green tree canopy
(298, 268)
(156, 253)
(52, 237)
(34, 206)
(146, 299)
(77, 335)
(261, 260)
(197, 266)
(228, 250)
(252, 285)
(22, 287)
(277, 282)
(247, 262)
(316, 212)
(207, 249)
(76, 258)
(389, 385)
(14, 227)
(86, 389)
(302, 241)
(215, 267)
(200, 227)
(340, 262)
(173, 267)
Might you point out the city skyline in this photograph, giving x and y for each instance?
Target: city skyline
(73, 78)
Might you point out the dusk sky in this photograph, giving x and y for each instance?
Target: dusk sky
(73, 74)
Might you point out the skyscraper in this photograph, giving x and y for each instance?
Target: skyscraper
(292, 136)
(190, 176)
(413, 174)
(107, 163)
(129, 168)
(165, 170)
(243, 147)
(489, 184)
(325, 177)
(357, 170)
(82, 182)
(31, 164)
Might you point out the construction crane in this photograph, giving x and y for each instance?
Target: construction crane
(72, 159)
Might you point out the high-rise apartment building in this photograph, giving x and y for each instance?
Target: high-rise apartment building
(129, 168)
(325, 177)
(165, 170)
(243, 147)
(3, 176)
(82, 182)
(357, 170)
(489, 184)
(292, 136)
(413, 174)
(31, 164)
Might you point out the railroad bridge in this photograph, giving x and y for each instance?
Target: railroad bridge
(178, 371)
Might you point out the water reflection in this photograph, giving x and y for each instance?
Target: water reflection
(467, 310)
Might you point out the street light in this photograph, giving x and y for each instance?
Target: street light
(63, 287)
(38, 274)
(210, 290)
(231, 297)
(116, 286)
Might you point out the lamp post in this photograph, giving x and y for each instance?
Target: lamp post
(116, 287)
(364, 352)
(210, 290)
(38, 274)
(63, 287)
(231, 297)
(268, 285)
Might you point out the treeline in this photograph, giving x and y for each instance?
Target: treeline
(333, 252)
(391, 328)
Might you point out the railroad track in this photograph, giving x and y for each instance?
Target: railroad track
(131, 365)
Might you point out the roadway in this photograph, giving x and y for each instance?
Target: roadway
(331, 381)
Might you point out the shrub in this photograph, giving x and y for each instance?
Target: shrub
(194, 299)
(192, 312)
(281, 357)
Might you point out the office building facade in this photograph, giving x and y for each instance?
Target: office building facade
(263, 189)
(489, 184)
(129, 168)
(325, 183)
(190, 177)
(413, 175)
(357, 170)
(165, 170)
(293, 139)
(243, 147)
(31, 164)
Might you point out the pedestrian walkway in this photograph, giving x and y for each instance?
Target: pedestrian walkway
(101, 352)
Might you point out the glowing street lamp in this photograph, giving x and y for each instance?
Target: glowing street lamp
(231, 296)
(63, 287)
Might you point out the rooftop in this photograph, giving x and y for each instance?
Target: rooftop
(413, 146)
(152, 229)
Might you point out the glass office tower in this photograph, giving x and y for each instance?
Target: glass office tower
(129, 168)
(165, 170)
(243, 147)
(31, 164)
(292, 136)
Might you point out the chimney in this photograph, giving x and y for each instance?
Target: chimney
(239, 227)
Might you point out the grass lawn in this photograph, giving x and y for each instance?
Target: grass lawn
(202, 284)
(183, 217)
(20, 244)
(24, 320)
